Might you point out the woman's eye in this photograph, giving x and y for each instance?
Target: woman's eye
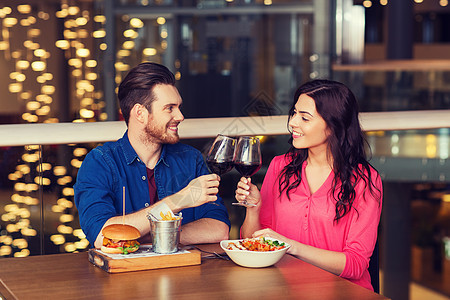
(305, 119)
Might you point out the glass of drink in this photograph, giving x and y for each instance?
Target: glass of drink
(247, 159)
(220, 156)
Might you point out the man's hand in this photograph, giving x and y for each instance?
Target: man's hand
(199, 191)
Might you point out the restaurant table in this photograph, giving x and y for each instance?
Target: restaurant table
(72, 276)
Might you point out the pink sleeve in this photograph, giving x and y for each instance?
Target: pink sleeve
(362, 234)
(270, 192)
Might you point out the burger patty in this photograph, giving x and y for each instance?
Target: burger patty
(116, 244)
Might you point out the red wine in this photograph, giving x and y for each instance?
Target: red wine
(219, 168)
(247, 170)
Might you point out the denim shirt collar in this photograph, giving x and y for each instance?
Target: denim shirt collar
(131, 155)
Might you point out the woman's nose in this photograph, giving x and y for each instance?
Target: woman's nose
(293, 122)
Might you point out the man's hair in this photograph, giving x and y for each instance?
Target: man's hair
(137, 86)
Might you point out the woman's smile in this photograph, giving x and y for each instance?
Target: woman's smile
(296, 134)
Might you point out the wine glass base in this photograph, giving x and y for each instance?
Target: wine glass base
(243, 204)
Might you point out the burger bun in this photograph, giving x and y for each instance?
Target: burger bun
(111, 250)
(121, 232)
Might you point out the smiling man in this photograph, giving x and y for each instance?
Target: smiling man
(149, 167)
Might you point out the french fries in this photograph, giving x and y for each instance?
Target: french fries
(167, 217)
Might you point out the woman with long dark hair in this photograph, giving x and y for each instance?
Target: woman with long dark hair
(322, 197)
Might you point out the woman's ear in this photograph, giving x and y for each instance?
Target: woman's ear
(328, 132)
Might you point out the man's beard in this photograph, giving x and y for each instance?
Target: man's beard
(159, 135)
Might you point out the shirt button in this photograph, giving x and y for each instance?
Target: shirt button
(306, 206)
(147, 204)
(306, 215)
(143, 177)
(138, 160)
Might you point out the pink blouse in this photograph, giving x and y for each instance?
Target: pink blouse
(309, 219)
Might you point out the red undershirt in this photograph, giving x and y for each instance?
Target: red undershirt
(152, 186)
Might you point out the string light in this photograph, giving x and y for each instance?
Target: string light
(149, 51)
(136, 23)
(367, 3)
(100, 19)
(161, 20)
(101, 33)
(130, 33)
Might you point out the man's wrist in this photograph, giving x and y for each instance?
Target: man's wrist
(171, 202)
(181, 200)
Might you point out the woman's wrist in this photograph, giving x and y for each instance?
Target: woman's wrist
(254, 210)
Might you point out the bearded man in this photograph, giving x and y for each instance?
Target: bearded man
(149, 167)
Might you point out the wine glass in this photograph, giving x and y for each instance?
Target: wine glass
(220, 156)
(247, 159)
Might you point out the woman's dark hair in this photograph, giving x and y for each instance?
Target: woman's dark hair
(337, 105)
(137, 86)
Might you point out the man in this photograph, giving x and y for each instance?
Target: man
(148, 167)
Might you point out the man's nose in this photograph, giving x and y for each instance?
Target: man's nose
(179, 116)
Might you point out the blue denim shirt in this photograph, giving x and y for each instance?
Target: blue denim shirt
(108, 168)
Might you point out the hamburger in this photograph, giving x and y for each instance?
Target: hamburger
(120, 239)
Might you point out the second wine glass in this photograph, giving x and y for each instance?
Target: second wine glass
(220, 156)
(247, 159)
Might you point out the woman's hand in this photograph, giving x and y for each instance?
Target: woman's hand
(331, 261)
(267, 232)
(246, 190)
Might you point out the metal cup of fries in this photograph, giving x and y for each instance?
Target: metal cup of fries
(165, 231)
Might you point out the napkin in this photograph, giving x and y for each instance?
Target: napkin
(159, 210)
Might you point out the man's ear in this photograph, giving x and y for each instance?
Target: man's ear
(139, 112)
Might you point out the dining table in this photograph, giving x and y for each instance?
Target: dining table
(72, 276)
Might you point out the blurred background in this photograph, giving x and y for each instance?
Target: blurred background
(61, 61)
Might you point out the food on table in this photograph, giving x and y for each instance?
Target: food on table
(260, 244)
(168, 216)
(120, 239)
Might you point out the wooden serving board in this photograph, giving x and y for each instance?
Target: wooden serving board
(138, 261)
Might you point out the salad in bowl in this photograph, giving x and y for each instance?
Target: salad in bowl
(255, 252)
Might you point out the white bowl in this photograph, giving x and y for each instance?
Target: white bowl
(253, 259)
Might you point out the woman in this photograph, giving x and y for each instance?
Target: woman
(322, 197)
